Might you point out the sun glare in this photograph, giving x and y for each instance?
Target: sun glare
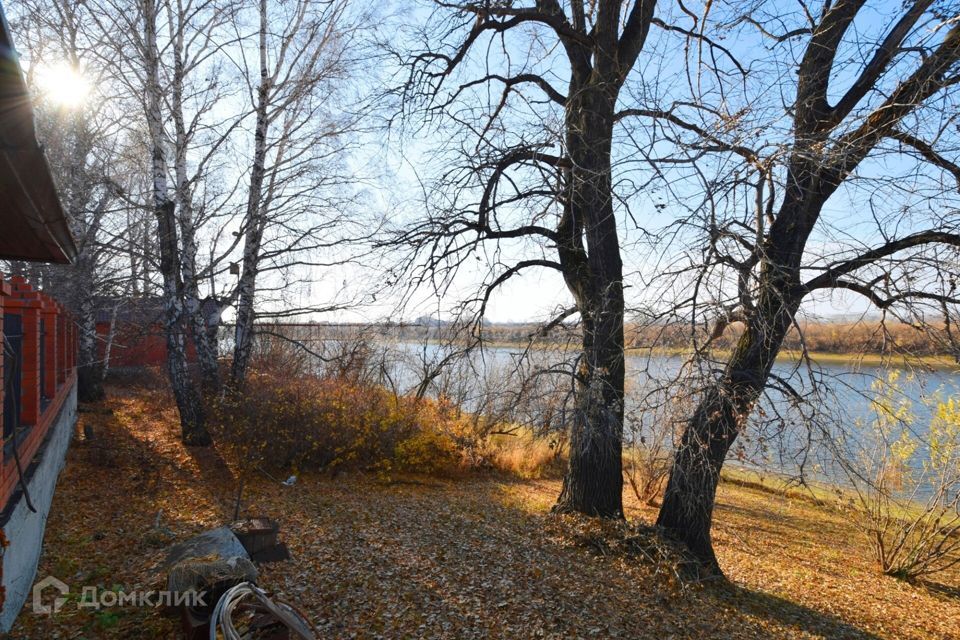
(64, 85)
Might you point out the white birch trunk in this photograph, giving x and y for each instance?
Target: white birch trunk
(243, 337)
(108, 346)
(193, 429)
(206, 349)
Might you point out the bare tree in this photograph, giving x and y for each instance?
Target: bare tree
(195, 35)
(80, 143)
(184, 65)
(302, 66)
(536, 187)
(192, 420)
(769, 239)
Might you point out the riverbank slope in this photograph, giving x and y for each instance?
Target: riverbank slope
(475, 557)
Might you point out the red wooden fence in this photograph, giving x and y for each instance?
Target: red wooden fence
(39, 358)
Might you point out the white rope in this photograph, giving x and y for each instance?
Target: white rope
(222, 617)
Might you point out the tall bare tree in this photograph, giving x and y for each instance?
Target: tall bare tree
(79, 137)
(533, 90)
(296, 85)
(195, 33)
(187, 65)
(772, 239)
(192, 419)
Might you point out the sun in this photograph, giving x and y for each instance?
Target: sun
(64, 85)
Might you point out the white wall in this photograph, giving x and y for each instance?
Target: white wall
(24, 529)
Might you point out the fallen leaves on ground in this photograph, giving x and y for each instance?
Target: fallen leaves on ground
(474, 558)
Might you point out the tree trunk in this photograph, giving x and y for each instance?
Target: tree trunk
(255, 214)
(593, 484)
(687, 510)
(192, 423)
(243, 334)
(108, 345)
(89, 377)
(199, 331)
(192, 420)
(86, 225)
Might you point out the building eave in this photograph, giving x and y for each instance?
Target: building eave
(34, 225)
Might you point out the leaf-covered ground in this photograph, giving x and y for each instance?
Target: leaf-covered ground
(471, 558)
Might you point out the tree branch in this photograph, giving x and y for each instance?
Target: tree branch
(928, 153)
(509, 273)
(881, 59)
(635, 33)
(831, 277)
(669, 116)
(929, 78)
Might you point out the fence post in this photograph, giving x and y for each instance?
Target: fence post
(74, 344)
(30, 391)
(50, 314)
(61, 349)
(5, 292)
(68, 357)
(27, 299)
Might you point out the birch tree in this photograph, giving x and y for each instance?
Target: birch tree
(206, 107)
(192, 31)
(79, 136)
(302, 64)
(192, 419)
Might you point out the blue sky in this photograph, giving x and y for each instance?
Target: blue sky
(396, 170)
(848, 220)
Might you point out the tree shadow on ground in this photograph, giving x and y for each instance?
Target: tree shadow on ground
(940, 588)
(212, 466)
(785, 612)
(778, 521)
(149, 457)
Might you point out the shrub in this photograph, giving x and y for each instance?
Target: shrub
(316, 423)
(646, 470)
(907, 483)
(650, 431)
(339, 417)
(427, 452)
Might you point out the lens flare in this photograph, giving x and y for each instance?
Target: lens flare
(63, 85)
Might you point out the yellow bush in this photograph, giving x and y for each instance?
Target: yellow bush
(313, 422)
(907, 482)
(282, 423)
(427, 452)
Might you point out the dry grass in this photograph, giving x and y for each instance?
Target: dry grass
(283, 422)
(524, 455)
(475, 558)
(862, 337)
